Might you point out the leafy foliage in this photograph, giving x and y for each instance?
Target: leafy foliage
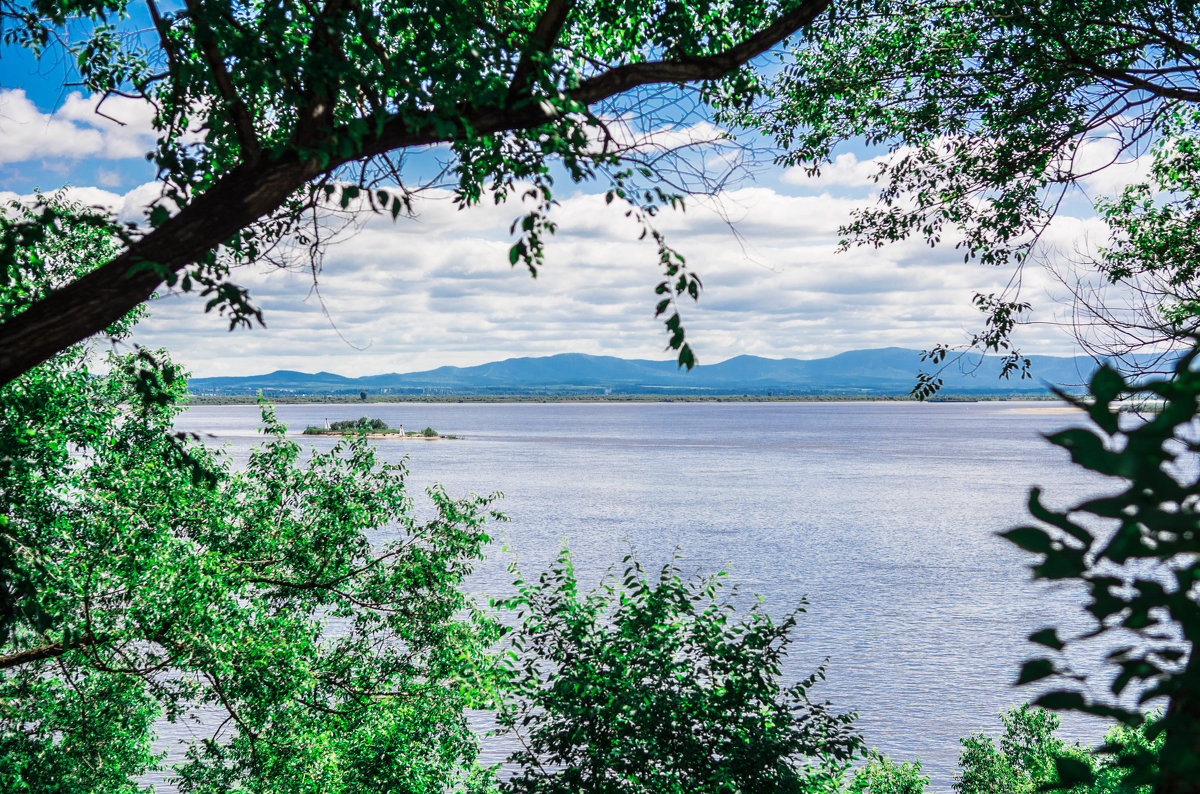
(301, 600)
(881, 775)
(1152, 256)
(363, 423)
(298, 599)
(1029, 757)
(1141, 571)
(658, 685)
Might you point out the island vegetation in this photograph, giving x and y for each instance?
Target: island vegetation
(351, 426)
(144, 576)
(372, 428)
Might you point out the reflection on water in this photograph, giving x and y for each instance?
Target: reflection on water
(882, 514)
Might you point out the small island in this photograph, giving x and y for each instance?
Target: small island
(371, 428)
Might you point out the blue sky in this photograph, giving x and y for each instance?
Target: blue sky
(437, 289)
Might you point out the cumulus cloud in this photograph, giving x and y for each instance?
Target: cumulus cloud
(846, 170)
(129, 207)
(1106, 168)
(74, 129)
(623, 133)
(437, 289)
(416, 294)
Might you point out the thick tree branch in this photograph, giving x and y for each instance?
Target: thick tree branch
(256, 188)
(369, 38)
(707, 67)
(1130, 80)
(312, 123)
(541, 40)
(50, 651)
(238, 113)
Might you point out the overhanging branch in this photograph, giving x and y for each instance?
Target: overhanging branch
(541, 40)
(50, 651)
(256, 188)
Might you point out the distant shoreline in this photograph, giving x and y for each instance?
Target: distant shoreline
(378, 435)
(336, 399)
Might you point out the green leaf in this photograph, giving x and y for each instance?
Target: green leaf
(1061, 700)
(1030, 539)
(1047, 637)
(1073, 772)
(1035, 670)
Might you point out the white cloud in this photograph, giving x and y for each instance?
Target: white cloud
(846, 170)
(623, 133)
(438, 290)
(74, 130)
(127, 207)
(1107, 169)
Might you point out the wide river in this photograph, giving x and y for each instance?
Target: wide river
(882, 514)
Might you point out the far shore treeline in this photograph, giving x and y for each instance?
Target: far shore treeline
(338, 399)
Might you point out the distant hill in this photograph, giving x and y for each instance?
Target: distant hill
(882, 372)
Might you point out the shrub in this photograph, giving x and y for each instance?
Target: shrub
(364, 424)
(882, 775)
(644, 686)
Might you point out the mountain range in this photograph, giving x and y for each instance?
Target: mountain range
(880, 372)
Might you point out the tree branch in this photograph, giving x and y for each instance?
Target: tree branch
(318, 109)
(541, 40)
(706, 67)
(50, 651)
(238, 113)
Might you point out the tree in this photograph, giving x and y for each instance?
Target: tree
(301, 107)
(1152, 255)
(146, 578)
(1030, 757)
(1026, 761)
(994, 111)
(654, 684)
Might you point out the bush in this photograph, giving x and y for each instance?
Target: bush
(882, 775)
(364, 424)
(657, 686)
(1031, 758)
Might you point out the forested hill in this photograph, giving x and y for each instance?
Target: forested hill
(881, 372)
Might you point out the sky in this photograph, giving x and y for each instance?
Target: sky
(437, 289)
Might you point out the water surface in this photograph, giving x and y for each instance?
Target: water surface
(882, 514)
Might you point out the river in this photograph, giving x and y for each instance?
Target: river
(882, 514)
